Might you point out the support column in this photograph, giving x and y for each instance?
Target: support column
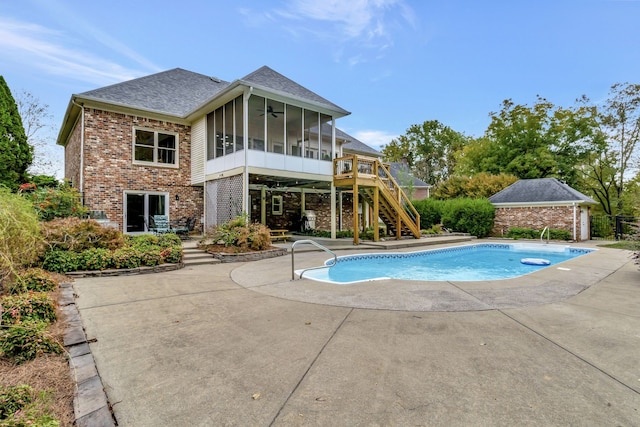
(333, 212)
(376, 213)
(263, 205)
(356, 225)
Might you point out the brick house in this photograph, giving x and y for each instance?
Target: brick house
(540, 203)
(183, 144)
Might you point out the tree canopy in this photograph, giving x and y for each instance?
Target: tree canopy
(16, 154)
(429, 149)
(532, 142)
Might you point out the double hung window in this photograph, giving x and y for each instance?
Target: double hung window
(155, 147)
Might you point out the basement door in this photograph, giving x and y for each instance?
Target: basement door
(139, 206)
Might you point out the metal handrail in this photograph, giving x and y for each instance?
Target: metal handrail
(542, 234)
(316, 244)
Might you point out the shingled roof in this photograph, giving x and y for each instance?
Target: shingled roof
(538, 191)
(176, 92)
(267, 78)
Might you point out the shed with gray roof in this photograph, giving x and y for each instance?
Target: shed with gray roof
(540, 203)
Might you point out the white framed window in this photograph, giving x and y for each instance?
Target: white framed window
(276, 205)
(152, 147)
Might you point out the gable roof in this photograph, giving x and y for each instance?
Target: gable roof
(538, 191)
(354, 145)
(269, 79)
(174, 92)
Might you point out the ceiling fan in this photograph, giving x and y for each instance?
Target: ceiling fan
(273, 113)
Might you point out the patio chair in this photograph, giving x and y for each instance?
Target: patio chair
(183, 227)
(160, 224)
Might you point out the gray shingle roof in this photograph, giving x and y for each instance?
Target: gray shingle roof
(267, 78)
(539, 191)
(400, 171)
(175, 92)
(353, 145)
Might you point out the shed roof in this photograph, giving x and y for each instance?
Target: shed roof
(541, 190)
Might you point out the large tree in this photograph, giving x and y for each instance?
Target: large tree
(536, 141)
(429, 150)
(36, 118)
(16, 154)
(621, 121)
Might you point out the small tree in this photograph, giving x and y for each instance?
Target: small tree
(20, 238)
(16, 154)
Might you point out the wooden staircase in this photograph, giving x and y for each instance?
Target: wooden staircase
(371, 180)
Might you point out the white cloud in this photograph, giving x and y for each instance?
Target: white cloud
(375, 138)
(50, 50)
(362, 25)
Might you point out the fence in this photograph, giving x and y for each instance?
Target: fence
(609, 227)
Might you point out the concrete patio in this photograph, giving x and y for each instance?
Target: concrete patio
(242, 344)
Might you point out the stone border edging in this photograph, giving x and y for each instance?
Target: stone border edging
(161, 268)
(249, 256)
(90, 404)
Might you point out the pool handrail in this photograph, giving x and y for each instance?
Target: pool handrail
(316, 244)
(542, 234)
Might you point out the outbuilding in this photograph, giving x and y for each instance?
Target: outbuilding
(540, 203)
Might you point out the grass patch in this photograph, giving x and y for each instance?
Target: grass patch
(630, 245)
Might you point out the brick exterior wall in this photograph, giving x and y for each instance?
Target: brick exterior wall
(556, 217)
(72, 157)
(109, 168)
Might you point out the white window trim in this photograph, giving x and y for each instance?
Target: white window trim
(276, 205)
(155, 148)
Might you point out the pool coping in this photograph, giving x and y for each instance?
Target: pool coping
(549, 285)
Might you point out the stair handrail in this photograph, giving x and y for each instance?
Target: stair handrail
(403, 199)
(316, 244)
(542, 234)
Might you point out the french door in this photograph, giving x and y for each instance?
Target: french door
(139, 206)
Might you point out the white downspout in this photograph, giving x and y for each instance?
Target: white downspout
(81, 183)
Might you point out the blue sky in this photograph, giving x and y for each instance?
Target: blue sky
(392, 63)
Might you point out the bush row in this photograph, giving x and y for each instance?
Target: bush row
(138, 251)
(530, 233)
(473, 216)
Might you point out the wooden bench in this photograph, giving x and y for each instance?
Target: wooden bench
(279, 235)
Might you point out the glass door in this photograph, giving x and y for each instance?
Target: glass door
(139, 207)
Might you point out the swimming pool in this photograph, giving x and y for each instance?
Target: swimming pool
(484, 261)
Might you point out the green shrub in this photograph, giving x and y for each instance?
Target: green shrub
(94, 259)
(522, 233)
(143, 241)
(559, 234)
(434, 229)
(62, 202)
(532, 234)
(126, 258)
(473, 216)
(172, 255)
(21, 241)
(14, 398)
(76, 235)
(168, 240)
(25, 341)
(150, 257)
(430, 211)
(239, 233)
(32, 279)
(30, 306)
(61, 261)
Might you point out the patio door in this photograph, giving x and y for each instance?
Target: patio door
(139, 206)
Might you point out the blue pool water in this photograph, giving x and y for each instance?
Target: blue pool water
(486, 261)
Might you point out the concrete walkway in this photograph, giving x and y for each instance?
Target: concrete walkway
(241, 344)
